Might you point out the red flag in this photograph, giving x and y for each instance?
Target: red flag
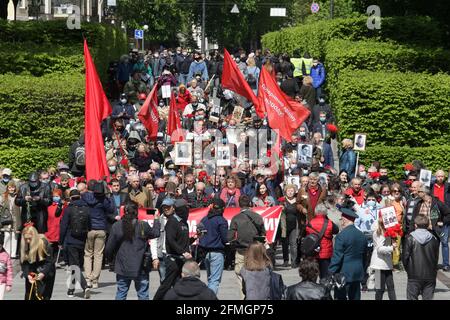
(97, 108)
(174, 122)
(233, 79)
(149, 115)
(283, 113)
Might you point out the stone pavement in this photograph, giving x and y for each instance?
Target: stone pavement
(228, 289)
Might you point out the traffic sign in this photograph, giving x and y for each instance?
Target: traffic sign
(138, 34)
(315, 7)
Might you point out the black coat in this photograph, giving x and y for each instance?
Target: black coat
(177, 235)
(65, 236)
(420, 260)
(45, 266)
(307, 290)
(130, 254)
(439, 213)
(38, 212)
(190, 288)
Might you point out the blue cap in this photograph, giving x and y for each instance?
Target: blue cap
(169, 202)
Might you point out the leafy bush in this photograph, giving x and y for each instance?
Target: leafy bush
(394, 158)
(393, 108)
(313, 37)
(23, 161)
(45, 111)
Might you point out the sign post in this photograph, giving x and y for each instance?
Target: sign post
(139, 34)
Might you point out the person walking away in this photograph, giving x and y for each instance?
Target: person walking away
(316, 224)
(6, 270)
(420, 258)
(349, 253)
(256, 274)
(214, 228)
(129, 242)
(177, 247)
(37, 264)
(308, 288)
(190, 287)
(74, 228)
(244, 227)
(381, 261)
(100, 208)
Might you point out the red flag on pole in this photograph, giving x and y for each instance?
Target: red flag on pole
(283, 113)
(97, 108)
(149, 115)
(174, 122)
(233, 79)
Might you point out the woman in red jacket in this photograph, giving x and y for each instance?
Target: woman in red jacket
(55, 211)
(326, 243)
(184, 98)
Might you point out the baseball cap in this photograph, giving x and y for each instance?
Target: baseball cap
(74, 193)
(7, 172)
(168, 202)
(179, 203)
(218, 203)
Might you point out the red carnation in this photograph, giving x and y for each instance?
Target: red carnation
(281, 199)
(332, 128)
(374, 175)
(409, 167)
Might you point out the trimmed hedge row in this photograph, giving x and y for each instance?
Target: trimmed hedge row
(393, 108)
(106, 42)
(45, 111)
(375, 56)
(394, 158)
(23, 161)
(314, 37)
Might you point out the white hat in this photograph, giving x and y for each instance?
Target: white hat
(6, 171)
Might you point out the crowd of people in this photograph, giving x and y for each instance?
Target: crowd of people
(330, 227)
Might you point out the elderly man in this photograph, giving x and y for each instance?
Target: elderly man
(137, 193)
(201, 200)
(311, 195)
(355, 191)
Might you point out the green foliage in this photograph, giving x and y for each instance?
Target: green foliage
(394, 158)
(393, 108)
(23, 161)
(313, 37)
(375, 56)
(45, 111)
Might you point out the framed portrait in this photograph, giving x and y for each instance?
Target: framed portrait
(238, 112)
(223, 156)
(305, 153)
(360, 142)
(389, 217)
(295, 180)
(425, 177)
(183, 153)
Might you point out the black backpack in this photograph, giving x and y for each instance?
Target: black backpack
(79, 222)
(310, 245)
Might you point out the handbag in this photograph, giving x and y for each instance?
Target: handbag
(5, 216)
(147, 261)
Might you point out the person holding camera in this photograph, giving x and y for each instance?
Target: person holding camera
(128, 241)
(34, 198)
(213, 237)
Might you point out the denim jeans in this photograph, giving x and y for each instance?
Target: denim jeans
(214, 262)
(182, 78)
(444, 242)
(162, 269)
(141, 284)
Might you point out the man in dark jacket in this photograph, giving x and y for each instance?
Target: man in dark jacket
(101, 209)
(76, 151)
(129, 250)
(308, 288)
(244, 227)
(177, 247)
(74, 243)
(190, 287)
(420, 258)
(213, 229)
(34, 198)
(348, 257)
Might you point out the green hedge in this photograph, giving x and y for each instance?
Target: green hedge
(313, 37)
(24, 60)
(23, 161)
(45, 111)
(393, 108)
(106, 42)
(394, 158)
(375, 56)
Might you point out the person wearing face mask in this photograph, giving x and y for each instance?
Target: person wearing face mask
(192, 107)
(123, 110)
(157, 64)
(6, 178)
(183, 98)
(34, 198)
(367, 216)
(198, 66)
(318, 75)
(183, 63)
(322, 106)
(134, 87)
(55, 211)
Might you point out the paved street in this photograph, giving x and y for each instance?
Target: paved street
(228, 288)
